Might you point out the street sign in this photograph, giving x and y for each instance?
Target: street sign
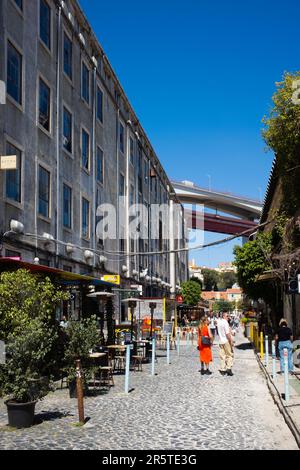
(2, 92)
(113, 278)
(8, 162)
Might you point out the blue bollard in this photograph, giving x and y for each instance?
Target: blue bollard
(178, 343)
(127, 369)
(274, 361)
(267, 351)
(286, 375)
(153, 357)
(168, 348)
(187, 341)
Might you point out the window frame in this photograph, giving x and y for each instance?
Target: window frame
(87, 170)
(68, 109)
(48, 169)
(121, 123)
(83, 196)
(84, 63)
(10, 98)
(101, 183)
(11, 141)
(48, 49)
(66, 33)
(98, 87)
(65, 227)
(41, 77)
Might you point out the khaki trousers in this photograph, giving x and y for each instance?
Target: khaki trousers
(226, 356)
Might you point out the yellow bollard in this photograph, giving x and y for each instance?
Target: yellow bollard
(261, 345)
(251, 332)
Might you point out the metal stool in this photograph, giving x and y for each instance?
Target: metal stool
(137, 363)
(106, 376)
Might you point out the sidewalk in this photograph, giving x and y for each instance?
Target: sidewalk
(291, 408)
(177, 409)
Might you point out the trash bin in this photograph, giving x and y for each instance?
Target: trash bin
(247, 329)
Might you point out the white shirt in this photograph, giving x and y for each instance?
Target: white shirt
(223, 330)
(212, 325)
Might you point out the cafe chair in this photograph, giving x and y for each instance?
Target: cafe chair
(106, 376)
(137, 363)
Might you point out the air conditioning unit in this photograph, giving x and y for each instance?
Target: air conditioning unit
(81, 39)
(95, 61)
(71, 19)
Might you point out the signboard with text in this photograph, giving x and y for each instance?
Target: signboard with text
(8, 162)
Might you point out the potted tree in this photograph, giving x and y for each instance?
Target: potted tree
(30, 332)
(26, 374)
(81, 337)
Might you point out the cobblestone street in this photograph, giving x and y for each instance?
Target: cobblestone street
(176, 409)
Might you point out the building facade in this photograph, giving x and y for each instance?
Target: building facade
(79, 145)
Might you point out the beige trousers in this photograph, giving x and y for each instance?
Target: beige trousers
(226, 356)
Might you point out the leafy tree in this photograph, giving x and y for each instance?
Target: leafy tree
(282, 135)
(196, 279)
(211, 279)
(226, 280)
(223, 306)
(24, 297)
(251, 260)
(191, 292)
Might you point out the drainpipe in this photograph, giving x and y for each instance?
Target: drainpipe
(172, 255)
(58, 214)
(127, 192)
(94, 160)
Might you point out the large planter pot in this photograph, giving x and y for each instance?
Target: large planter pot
(20, 415)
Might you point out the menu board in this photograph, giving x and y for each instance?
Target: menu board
(168, 327)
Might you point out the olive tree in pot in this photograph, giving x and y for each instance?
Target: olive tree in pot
(81, 337)
(30, 332)
(25, 374)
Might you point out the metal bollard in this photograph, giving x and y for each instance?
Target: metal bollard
(127, 368)
(153, 356)
(187, 344)
(168, 348)
(79, 389)
(274, 361)
(178, 343)
(266, 351)
(286, 375)
(261, 345)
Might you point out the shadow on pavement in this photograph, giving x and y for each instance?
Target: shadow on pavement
(45, 416)
(244, 346)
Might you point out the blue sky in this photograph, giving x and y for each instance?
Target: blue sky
(200, 76)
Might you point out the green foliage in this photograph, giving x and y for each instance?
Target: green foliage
(223, 306)
(81, 337)
(196, 279)
(23, 297)
(211, 279)
(28, 327)
(282, 135)
(251, 260)
(191, 292)
(25, 375)
(226, 280)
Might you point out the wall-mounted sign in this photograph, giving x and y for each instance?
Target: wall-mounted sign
(113, 278)
(8, 162)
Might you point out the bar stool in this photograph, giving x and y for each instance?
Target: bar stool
(106, 376)
(137, 363)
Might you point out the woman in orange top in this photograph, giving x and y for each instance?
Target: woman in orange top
(205, 349)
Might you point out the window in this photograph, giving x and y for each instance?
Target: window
(14, 73)
(131, 150)
(45, 23)
(44, 191)
(99, 104)
(85, 150)
(131, 196)
(99, 165)
(44, 105)
(68, 56)
(67, 206)
(13, 177)
(121, 137)
(85, 218)
(122, 185)
(19, 3)
(85, 83)
(67, 131)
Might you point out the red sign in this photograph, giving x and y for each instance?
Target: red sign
(179, 299)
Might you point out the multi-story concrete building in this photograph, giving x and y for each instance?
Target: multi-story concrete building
(78, 144)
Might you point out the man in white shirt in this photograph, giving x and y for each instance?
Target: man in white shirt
(226, 345)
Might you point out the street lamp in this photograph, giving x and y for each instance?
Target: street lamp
(132, 304)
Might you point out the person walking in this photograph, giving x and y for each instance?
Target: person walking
(284, 339)
(212, 325)
(205, 340)
(225, 345)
